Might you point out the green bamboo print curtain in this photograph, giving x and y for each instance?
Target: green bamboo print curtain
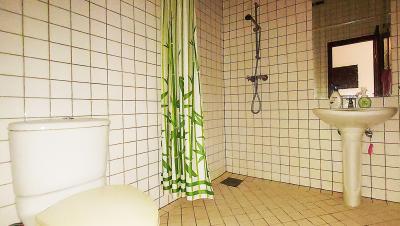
(184, 162)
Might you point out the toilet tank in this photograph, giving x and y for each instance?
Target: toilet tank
(52, 159)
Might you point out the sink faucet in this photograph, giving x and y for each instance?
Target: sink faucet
(351, 104)
(351, 101)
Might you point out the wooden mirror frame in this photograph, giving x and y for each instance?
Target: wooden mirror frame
(378, 53)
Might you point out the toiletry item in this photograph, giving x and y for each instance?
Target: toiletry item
(351, 104)
(364, 101)
(386, 75)
(335, 101)
(370, 149)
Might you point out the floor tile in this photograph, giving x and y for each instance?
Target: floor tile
(262, 202)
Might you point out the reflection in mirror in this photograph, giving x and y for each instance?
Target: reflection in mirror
(351, 65)
(343, 25)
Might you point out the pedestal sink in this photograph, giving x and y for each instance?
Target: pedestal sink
(352, 123)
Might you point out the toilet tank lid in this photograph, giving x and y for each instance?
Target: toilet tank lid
(56, 124)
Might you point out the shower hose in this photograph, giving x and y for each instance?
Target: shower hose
(256, 95)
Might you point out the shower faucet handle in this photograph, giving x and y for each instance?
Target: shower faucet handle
(351, 100)
(253, 78)
(264, 77)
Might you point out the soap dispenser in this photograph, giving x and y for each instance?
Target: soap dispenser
(364, 101)
(335, 101)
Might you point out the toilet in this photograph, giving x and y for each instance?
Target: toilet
(59, 177)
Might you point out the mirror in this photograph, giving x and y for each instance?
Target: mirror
(351, 46)
(352, 64)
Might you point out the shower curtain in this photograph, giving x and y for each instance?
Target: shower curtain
(184, 162)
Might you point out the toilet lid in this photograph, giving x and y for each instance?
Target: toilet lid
(105, 206)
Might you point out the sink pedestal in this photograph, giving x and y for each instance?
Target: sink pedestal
(352, 124)
(351, 152)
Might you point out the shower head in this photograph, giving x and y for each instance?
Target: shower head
(249, 17)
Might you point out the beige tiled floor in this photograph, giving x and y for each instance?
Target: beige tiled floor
(262, 202)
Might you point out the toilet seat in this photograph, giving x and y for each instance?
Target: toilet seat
(104, 206)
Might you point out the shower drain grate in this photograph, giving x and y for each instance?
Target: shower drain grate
(233, 182)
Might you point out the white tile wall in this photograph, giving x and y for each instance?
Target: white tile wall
(77, 58)
(209, 23)
(101, 58)
(286, 142)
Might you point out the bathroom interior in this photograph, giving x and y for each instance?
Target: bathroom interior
(268, 71)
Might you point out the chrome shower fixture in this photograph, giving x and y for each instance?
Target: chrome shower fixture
(256, 25)
(256, 76)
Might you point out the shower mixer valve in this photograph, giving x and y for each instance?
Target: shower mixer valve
(253, 78)
(256, 100)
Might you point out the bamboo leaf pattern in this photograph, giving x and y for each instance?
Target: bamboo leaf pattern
(184, 160)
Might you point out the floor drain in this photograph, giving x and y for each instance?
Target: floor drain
(233, 182)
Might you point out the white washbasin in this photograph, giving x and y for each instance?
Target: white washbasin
(352, 124)
(355, 117)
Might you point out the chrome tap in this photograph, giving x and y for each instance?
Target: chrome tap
(351, 101)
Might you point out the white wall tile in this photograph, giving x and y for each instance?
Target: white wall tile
(11, 86)
(98, 60)
(81, 90)
(36, 9)
(98, 12)
(10, 22)
(61, 107)
(37, 87)
(4, 152)
(37, 107)
(61, 71)
(11, 43)
(11, 65)
(5, 173)
(60, 34)
(98, 28)
(80, 39)
(60, 53)
(36, 48)
(35, 28)
(80, 6)
(59, 16)
(130, 176)
(115, 107)
(60, 89)
(84, 74)
(80, 56)
(80, 23)
(99, 107)
(12, 5)
(61, 3)
(99, 91)
(82, 108)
